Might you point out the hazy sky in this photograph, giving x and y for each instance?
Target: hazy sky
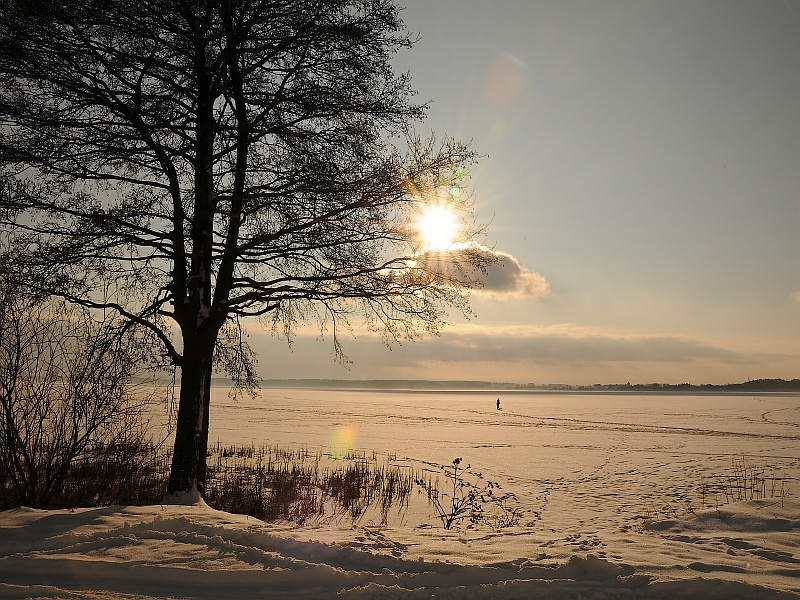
(644, 159)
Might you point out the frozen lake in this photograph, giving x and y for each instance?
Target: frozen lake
(600, 460)
(535, 436)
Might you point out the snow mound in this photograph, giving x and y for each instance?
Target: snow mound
(194, 551)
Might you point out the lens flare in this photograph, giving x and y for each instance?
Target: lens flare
(342, 441)
(505, 81)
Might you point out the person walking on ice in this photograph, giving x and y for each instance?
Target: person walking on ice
(498, 404)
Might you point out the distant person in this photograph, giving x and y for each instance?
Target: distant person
(498, 404)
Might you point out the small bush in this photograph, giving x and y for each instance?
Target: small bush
(467, 496)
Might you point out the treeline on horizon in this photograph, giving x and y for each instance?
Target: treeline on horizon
(755, 385)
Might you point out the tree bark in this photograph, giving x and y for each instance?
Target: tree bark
(188, 475)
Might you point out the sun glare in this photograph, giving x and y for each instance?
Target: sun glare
(438, 227)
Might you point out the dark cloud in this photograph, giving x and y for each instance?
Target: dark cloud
(505, 277)
(509, 278)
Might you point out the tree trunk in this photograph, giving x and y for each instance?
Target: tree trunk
(187, 481)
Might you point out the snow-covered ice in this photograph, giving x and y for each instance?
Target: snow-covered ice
(620, 493)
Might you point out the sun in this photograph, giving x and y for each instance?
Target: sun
(438, 227)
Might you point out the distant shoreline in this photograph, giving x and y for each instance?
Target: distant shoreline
(421, 385)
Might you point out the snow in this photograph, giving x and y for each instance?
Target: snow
(610, 486)
(186, 498)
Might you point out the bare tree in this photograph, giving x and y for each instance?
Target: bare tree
(65, 393)
(223, 159)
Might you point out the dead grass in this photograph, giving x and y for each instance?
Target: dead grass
(265, 482)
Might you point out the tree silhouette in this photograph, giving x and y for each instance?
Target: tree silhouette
(221, 159)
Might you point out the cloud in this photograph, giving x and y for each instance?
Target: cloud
(579, 355)
(552, 354)
(508, 278)
(796, 296)
(566, 344)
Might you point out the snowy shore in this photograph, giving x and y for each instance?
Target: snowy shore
(621, 498)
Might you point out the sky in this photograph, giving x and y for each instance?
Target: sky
(640, 175)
